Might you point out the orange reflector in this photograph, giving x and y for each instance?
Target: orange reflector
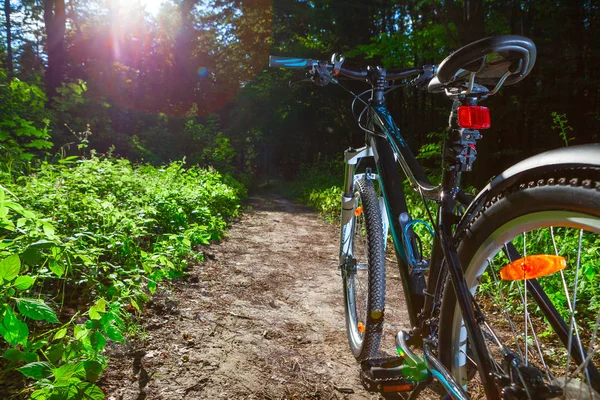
(361, 327)
(358, 211)
(532, 267)
(474, 117)
(398, 388)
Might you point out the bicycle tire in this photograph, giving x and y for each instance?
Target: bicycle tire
(564, 202)
(364, 296)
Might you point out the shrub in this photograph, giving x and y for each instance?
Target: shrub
(90, 238)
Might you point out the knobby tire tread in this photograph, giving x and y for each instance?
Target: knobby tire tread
(376, 284)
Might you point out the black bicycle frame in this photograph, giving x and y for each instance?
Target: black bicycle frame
(391, 151)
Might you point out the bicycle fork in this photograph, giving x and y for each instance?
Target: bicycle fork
(349, 201)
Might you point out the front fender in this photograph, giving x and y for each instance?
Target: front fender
(585, 158)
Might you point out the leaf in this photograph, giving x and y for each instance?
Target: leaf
(72, 351)
(80, 332)
(111, 325)
(42, 244)
(66, 390)
(48, 230)
(36, 310)
(93, 369)
(67, 371)
(32, 255)
(41, 394)
(89, 391)
(97, 341)
(24, 282)
(94, 314)
(68, 160)
(152, 286)
(590, 273)
(14, 356)
(97, 308)
(93, 324)
(31, 357)
(7, 225)
(54, 353)
(10, 267)
(114, 333)
(60, 334)
(135, 305)
(56, 267)
(39, 144)
(37, 370)
(12, 329)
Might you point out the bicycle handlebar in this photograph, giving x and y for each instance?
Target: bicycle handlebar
(357, 74)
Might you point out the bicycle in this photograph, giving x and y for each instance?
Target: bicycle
(469, 300)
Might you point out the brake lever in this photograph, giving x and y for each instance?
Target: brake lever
(422, 80)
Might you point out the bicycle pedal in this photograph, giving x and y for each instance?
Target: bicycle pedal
(390, 375)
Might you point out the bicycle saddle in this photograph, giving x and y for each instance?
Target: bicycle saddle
(490, 59)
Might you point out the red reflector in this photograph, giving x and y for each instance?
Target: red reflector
(474, 117)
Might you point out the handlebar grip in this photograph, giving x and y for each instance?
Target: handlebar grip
(290, 62)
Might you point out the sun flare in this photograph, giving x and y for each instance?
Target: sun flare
(151, 6)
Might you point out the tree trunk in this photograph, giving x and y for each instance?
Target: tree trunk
(9, 57)
(469, 19)
(55, 23)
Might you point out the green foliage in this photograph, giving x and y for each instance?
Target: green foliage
(561, 124)
(429, 42)
(23, 123)
(70, 95)
(318, 187)
(567, 242)
(82, 243)
(208, 145)
(326, 201)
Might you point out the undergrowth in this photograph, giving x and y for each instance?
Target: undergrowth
(83, 242)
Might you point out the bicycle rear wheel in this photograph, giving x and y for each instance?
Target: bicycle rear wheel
(364, 275)
(551, 322)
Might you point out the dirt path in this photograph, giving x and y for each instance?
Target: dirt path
(261, 319)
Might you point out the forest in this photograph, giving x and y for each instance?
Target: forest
(131, 131)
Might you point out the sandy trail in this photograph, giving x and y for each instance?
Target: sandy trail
(262, 318)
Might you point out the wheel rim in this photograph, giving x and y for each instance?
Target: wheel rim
(522, 328)
(357, 282)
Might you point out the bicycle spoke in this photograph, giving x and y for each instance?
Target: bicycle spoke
(593, 349)
(571, 306)
(531, 356)
(361, 275)
(562, 274)
(573, 329)
(525, 303)
(468, 358)
(523, 295)
(504, 308)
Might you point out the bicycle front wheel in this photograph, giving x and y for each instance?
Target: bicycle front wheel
(542, 316)
(364, 275)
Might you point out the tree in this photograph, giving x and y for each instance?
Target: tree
(9, 53)
(55, 23)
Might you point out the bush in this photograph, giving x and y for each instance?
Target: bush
(90, 238)
(23, 123)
